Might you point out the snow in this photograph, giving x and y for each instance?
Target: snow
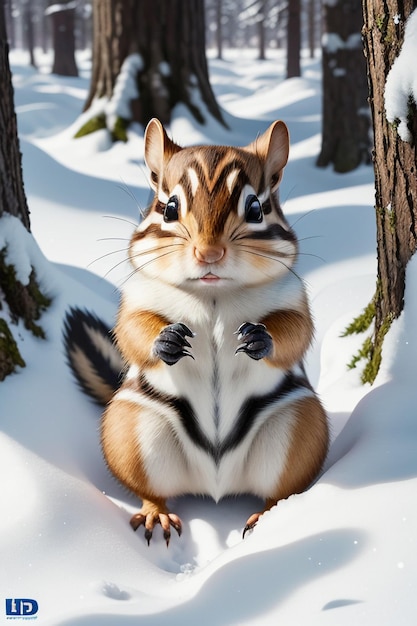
(125, 90)
(342, 553)
(332, 42)
(58, 8)
(401, 83)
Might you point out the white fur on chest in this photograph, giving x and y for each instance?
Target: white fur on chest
(215, 383)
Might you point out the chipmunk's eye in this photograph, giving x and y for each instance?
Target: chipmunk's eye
(171, 209)
(253, 210)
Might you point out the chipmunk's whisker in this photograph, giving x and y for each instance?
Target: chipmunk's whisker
(125, 260)
(121, 219)
(273, 258)
(301, 217)
(314, 256)
(272, 254)
(113, 239)
(103, 256)
(157, 248)
(124, 187)
(140, 267)
(160, 256)
(137, 255)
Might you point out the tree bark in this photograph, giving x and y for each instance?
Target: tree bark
(293, 39)
(219, 28)
(169, 36)
(29, 35)
(12, 194)
(262, 17)
(311, 20)
(395, 164)
(63, 37)
(20, 301)
(345, 132)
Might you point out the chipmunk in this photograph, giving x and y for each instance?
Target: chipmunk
(212, 329)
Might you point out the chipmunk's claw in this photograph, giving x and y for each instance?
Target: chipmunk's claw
(251, 523)
(256, 341)
(171, 343)
(149, 522)
(137, 520)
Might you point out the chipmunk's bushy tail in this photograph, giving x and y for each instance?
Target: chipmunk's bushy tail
(92, 355)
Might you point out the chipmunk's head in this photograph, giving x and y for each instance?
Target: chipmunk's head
(215, 220)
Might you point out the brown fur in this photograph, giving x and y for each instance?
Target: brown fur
(292, 333)
(121, 450)
(136, 332)
(306, 454)
(307, 450)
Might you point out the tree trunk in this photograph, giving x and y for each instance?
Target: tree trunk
(345, 133)
(28, 31)
(395, 164)
(169, 37)
(12, 195)
(311, 20)
(262, 16)
(63, 37)
(10, 24)
(293, 39)
(17, 300)
(219, 28)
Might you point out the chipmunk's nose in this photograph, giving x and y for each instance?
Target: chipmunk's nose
(209, 254)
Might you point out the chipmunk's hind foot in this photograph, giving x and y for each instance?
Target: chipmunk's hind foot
(150, 515)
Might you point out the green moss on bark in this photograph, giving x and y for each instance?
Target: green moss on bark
(24, 302)
(10, 357)
(99, 122)
(119, 132)
(362, 322)
(371, 350)
(91, 126)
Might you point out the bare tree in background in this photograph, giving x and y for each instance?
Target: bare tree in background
(345, 133)
(63, 37)
(294, 39)
(29, 36)
(311, 20)
(262, 19)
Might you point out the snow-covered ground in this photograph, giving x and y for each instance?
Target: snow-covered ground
(342, 553)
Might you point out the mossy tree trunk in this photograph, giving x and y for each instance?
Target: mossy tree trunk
(169, 37)
(345, 132)
(17, 301)
(395, 164)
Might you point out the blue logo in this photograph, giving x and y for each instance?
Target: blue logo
(21, 607)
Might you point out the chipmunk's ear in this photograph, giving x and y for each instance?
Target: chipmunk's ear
(273, 148)
(158, 149)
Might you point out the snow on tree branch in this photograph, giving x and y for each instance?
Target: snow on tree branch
(401, 83)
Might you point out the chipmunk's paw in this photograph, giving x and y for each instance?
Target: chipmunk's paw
(171, 344)
(257, 342)
(251, 523)
(149, 521)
